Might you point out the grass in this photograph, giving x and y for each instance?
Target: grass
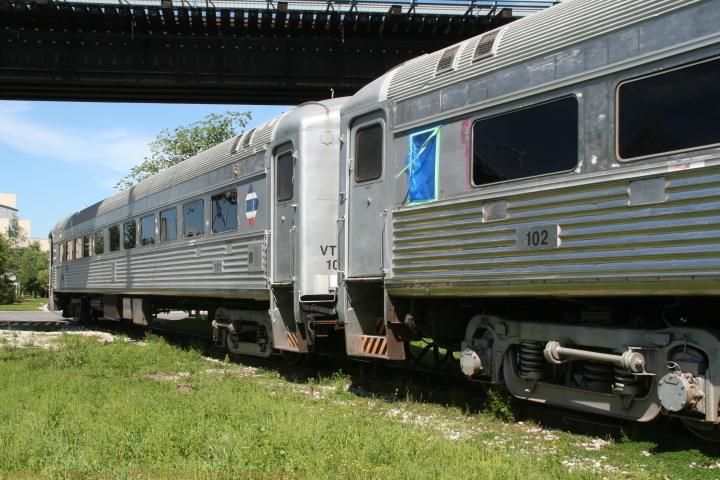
(86, 409)
(25, 305)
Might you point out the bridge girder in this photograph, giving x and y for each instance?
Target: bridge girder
(111, 52)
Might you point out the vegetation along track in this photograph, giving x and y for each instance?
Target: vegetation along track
(394, 381)
(391, 381)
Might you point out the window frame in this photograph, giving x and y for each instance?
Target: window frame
(375, 122)
(78, 245)
(160, 217)
(280, 153)
(475, 120)
(212, 211)
(620, 159)
(141, 237)
(124, 243)
(88, 245)
(202, 223)
(69, 250)
(99, 234)
(119, 238)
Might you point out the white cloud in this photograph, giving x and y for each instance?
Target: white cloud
(13, 106)
(115, 149)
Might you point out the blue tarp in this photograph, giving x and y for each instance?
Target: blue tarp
(421, 165)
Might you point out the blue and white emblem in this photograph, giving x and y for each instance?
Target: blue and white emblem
(251, 205)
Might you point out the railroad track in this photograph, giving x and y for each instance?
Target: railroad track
(58, 324)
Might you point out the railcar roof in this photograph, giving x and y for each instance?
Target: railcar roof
(248, 143)
(311, 115)
(555, 28)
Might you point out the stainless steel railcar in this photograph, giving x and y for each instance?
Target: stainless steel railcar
(220, 231)
(542, 198)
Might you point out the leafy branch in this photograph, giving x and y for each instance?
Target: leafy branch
(171, 148)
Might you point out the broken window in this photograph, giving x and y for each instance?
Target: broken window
(525, 143)
(224, 206)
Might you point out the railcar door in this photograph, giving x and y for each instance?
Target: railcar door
(367, 196)
(284, 231)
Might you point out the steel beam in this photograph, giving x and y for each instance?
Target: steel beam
(173, 53)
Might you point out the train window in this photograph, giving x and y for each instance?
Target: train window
(78, 247)
(147, 230)
(368, 153)
(224, 206)
(525, 143)
(69, 250)
(115, 238)
(168, 225)
(99, 242)
(129, 234)
(61, 249)
(193, 219)
(285, 177)
(87, 245)
(669, 111)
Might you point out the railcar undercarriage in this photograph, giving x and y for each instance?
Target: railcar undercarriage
(633, 370)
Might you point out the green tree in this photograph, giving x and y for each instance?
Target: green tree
(7, 289)
(16, 235)
(16, 239)
(32, 270)
(171, 148)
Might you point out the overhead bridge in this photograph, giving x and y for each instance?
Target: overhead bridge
(224, 51)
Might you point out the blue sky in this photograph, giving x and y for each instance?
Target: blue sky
(60, 157)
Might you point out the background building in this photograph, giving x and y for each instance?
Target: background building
(8, 210)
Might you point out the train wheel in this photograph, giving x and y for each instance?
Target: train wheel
(294, 358)
(704, 430)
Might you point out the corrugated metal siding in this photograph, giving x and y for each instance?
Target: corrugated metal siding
(601, 236)
(537, 35)
(175, 269)
(201, 163)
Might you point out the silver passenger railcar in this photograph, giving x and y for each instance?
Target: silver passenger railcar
(544, 198)
(220, 231)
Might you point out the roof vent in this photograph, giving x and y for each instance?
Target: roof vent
(248, 137)
(446, 61)
(485, 45)
(234, 148)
